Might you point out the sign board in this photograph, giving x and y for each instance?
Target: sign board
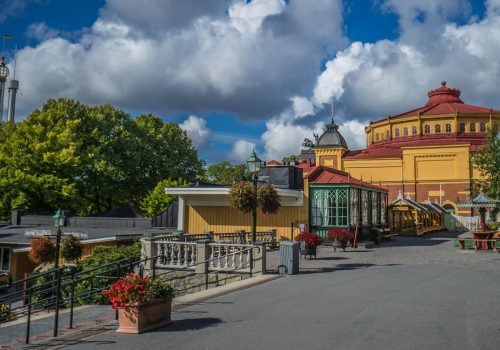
(401, 208)
(37, 233)
(41, 233)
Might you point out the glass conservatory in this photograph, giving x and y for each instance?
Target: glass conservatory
(338, 200)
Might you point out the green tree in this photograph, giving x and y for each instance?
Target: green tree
(487, 161)
(291, 158)
(89, 159)
(225, 173)
(156, 201)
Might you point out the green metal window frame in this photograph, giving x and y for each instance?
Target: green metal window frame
(329, 206)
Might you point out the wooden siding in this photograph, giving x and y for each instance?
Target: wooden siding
(227, 219)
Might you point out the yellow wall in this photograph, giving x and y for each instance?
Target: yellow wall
(227, 219)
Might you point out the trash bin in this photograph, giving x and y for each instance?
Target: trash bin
(289, 258)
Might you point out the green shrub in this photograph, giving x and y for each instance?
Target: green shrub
(101, 256)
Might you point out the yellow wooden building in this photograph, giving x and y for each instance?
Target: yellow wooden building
(425, 152)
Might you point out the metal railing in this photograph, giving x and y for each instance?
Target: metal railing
(56, 289)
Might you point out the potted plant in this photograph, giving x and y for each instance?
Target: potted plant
(339, 237)
(143, 304)
(311, 242)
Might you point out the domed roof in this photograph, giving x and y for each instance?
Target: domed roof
(443, 95)
(331, 137)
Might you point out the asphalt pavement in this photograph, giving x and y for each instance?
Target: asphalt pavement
(423, 295)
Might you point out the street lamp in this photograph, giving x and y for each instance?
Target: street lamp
(59, 220)
(253, 164)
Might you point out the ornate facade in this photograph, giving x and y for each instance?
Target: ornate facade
(424, 153)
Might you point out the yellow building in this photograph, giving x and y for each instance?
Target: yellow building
(424, 153)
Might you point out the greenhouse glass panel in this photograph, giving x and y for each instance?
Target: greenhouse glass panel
(354, 194)
(342, 207)
(364, 207)
(316, 208)
(329, 207)
(383, 214)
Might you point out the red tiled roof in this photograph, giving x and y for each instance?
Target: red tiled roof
(444, 100)
(392, 148)
(324, 175)
(272, 162)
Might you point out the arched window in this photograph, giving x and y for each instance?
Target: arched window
(397, 132)
(448, 127)
(387, 135)
(462, 127)
(472, 127)
(427, 129)
(376, 137)
(405, 131)
(437, 129)
(414, 130)
(482, 127)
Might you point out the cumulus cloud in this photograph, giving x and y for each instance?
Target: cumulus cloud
(241, 150)
(245, 58)
(196, 129)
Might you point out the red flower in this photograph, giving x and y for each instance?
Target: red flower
(312, 240)
(339, 234)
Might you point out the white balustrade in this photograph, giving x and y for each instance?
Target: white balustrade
(227, 256)
(176, 254)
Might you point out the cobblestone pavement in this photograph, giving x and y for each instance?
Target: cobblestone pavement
(435, 248)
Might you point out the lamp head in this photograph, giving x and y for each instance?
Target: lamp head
(254, 163)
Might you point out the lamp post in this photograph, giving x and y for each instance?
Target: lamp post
(59, 220)
(253, 164)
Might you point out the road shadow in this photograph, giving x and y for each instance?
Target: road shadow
(339, 267)
(327, 258)
(190, 324)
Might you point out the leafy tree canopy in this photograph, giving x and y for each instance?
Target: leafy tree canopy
(156, 201)
(225, 173)
(89, 159)
(487, 161)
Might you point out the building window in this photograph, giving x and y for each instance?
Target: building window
(482, 127)
(354, 200)
(414, 130)
(427, 129)
(329, 207)
(405, 131)
(387, 135)
(448, 127)
(462, 127)
(4, 259)
(472, 127)
(397, 132)
(437, 129)
(383, 201)
(375, 213)
(364, 207)
(376, 137)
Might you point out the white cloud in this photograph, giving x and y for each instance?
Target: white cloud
(196, 129)
(354, 134)
(241, 150)
(302, 107)
(186, 56)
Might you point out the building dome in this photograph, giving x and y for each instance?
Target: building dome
(331, 137)
(444, 94)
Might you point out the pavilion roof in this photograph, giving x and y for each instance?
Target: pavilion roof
(480, 201)
(325, 175)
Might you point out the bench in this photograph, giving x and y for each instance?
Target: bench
(384, 233)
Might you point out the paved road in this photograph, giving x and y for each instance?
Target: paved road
(346, 301)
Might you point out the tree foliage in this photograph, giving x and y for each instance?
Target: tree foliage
(89, 159)
(156, 201)
(71, 248)
(487, 161)
(225, 173)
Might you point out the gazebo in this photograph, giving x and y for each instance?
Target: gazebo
(483, 203)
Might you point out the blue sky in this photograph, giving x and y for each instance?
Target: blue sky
(238, 75)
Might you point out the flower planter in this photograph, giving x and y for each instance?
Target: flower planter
(145, 317)
(311, 251)
(339, 244)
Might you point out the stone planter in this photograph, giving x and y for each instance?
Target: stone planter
(145, 317)
(339, 244)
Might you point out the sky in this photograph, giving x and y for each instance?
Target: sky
(239, 75)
